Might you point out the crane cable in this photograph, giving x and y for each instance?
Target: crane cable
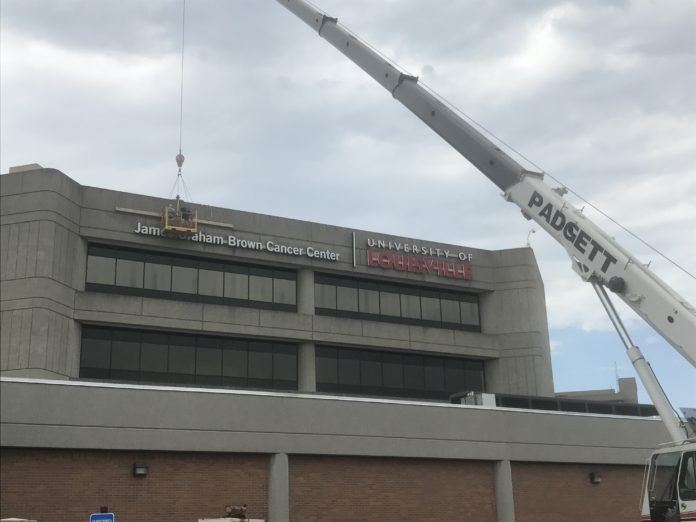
(181, 90)
(180, 157)
(543, 171)
(513, 150)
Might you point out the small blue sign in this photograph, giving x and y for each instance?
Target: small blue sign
(102, 517)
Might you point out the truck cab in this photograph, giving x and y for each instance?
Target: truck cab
(670, 492)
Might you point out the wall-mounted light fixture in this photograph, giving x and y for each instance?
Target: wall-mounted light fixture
(595, 478)
(140, 469)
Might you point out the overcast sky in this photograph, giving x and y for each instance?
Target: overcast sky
(600, 94)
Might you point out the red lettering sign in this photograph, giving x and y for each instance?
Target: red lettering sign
(419, 264)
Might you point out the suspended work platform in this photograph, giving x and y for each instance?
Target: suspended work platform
(179, 220)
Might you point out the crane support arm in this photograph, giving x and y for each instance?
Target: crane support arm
(596, 256)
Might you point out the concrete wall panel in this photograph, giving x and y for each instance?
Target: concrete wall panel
(5, 328)
(18, 206)
(39, 339)
(348, 327)
(38, 180)
(43, 288)
(133, 417)
(38, 350)
(231, 315)
(4, 249)
(10, 253)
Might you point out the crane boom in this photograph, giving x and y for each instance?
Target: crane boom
(596, 256)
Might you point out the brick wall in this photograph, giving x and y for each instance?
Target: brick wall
(563, 492)
(68, 485)
(333, 489)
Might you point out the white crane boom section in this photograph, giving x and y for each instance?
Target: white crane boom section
(596, 256)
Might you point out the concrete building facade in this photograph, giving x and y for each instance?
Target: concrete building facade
(301, 368)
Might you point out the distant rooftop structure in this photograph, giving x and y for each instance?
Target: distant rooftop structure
(627, 393)
(24, 168)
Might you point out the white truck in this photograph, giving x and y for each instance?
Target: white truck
(670, 483)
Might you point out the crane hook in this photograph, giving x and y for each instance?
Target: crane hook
(180, 160)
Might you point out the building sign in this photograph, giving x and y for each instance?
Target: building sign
(102, 517)
(414, 248)
(412, 257)
(419, 264)
(232, 241)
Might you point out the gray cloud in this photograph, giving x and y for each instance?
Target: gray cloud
(276, 121)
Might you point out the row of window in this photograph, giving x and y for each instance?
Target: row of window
(179, 277)
(364, 299)
(183, 359)
(150, 274)
(153, 357)
(393, 374)
(574, 405)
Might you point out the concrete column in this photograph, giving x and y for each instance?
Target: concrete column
(306, 368)
(306, 372)
(278, 488)
(305, 291)
(504, 501)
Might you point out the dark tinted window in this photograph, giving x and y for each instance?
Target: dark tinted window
(235, 356)
(413, 372)
(473, 375)
(96, 348)
(284, 363)
(370, 370)
(543, 404)
(454, 375)
(209, 360)
(576, 406)
(392, 374)
(606, 409)
(152, 357)
(392, 371)
(260, 364)
(125, 355)
(570, 405)
(434, 374)
(687, 477)
(182, 357)
(626, 409)
(149, 274)
(349, 367)
(358, 298)
(327, 365)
